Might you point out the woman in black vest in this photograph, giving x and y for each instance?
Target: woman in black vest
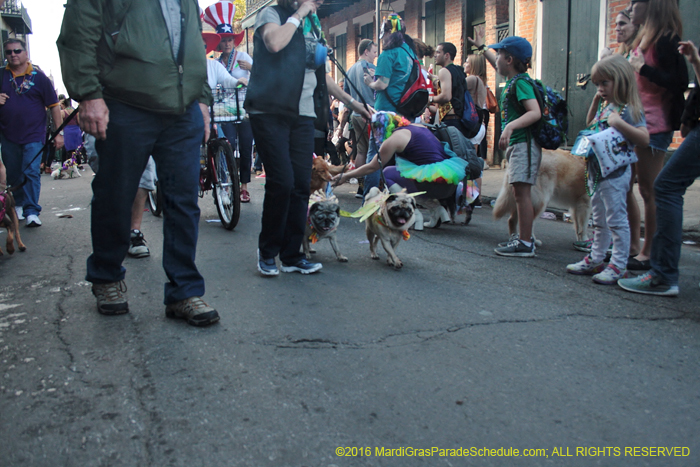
(287, 79)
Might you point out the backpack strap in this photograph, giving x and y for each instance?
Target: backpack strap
(458, 90)
(512, 94)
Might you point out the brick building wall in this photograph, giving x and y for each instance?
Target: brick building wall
(526, 22)
(454, 27)
(353, 30)
(413, 12)
(496, 12)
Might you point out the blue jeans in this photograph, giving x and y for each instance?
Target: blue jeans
(244, 133)
(677, 175)
(372, 179)
(17, 157)
(174, 141)
(285, 146)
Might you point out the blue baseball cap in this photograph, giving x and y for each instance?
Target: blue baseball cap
(517, 46)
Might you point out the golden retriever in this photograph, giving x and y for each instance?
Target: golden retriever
(561, 182)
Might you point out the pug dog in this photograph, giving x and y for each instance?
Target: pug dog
(322, 222)
(390, 223)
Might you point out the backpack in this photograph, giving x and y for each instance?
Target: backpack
(470, 116)
(414, 97)
(460, 145)
(550, 131)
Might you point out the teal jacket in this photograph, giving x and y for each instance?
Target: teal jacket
(120, 49)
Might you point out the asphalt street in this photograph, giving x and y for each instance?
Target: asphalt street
(358, 365)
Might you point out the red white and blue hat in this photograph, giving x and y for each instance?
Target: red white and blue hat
(220, 17)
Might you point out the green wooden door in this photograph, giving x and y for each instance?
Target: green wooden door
(434, 25)
(569, 50)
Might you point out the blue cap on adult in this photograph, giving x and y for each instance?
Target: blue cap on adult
(516, 46)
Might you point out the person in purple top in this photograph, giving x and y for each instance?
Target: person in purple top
(25, 93)
(421, 163)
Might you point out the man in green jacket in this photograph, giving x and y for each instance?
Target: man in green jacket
(139, 72)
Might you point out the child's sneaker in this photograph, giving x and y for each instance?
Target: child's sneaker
(511, 239)
(585, 267)
(586, 245)
(517, 248)
(610, 275)
(648, 285)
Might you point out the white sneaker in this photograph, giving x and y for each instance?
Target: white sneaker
(20, 212)
(585, 267)
(33, 221)
(610, 275)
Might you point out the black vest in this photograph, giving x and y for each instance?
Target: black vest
(276, 79)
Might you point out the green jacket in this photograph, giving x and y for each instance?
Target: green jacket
(120, 49)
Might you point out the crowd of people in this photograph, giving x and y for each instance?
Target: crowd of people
(145, 104)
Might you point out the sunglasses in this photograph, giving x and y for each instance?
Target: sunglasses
(15, 51)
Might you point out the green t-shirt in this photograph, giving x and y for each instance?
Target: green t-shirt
(509, 109)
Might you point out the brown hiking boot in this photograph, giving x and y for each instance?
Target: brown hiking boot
(111, 298)
(194, 311)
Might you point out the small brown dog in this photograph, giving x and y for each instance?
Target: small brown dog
(10, 222)
(561, 180)
(322, 173)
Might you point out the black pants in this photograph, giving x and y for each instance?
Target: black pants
(285, 146)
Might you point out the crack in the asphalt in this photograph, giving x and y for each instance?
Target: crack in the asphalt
(62, 315)
(319, 343)
(142, 387)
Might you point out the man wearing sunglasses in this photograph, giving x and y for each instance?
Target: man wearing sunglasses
(25, 93)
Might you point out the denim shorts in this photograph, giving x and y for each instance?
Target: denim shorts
(661, 141)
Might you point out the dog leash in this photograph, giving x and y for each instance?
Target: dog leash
(48, 141)
(364, 102)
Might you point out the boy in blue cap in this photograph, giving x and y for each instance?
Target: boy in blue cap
(519, 110)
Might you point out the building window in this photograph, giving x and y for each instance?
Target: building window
(341, 42)
(367, 31)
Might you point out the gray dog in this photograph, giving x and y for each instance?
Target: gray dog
(323, 220)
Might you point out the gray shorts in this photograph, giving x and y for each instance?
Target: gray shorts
(518, 164)
(148, 178)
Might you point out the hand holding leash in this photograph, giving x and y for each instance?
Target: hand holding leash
(58, 141)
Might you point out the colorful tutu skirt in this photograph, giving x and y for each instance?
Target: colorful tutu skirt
(449, 171)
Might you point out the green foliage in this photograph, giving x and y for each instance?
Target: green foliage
(240, 9)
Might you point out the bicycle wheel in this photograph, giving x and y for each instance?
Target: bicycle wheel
(155, 200)
(227, 189)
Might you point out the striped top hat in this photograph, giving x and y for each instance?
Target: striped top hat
(220, 17)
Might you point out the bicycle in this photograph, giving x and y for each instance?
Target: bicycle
(155, 200)
(219, 171)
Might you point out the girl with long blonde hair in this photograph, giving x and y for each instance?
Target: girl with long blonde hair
(616, 105)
